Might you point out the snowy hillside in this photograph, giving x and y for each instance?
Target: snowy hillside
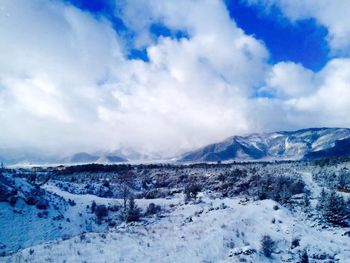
(247, 212)
(295, 145)
(220, 230)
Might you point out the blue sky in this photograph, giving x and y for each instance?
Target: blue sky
(301, 42)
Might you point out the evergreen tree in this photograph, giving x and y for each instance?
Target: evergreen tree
(285, 194)
(307, 203)
(133, 212)
(344, 179)
(334, 210)
(322, 200)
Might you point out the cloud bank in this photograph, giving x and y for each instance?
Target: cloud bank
(68, 83)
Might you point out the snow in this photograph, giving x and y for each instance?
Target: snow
(210, 229)
(203, 232)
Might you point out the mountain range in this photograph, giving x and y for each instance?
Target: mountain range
(312, 143)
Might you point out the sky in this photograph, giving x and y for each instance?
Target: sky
(163, 77)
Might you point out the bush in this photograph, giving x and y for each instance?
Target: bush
(31, 200)
(191, 191)
(295, 243)
(93, 207)
(275, 207)
(106, 183)
(113, 208)
(101, 211)
(304, 257)
(152, 209)
(71, 202)
(42, 204)
(267, 245)
(279, 188)
(133, 212)
(12, 200)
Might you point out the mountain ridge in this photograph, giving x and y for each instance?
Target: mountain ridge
(309, 143)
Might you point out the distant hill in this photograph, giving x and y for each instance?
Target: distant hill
(90, 158)
(83, 158)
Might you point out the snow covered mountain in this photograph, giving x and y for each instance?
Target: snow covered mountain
(23, 157)
(90, 158)
(310, 143)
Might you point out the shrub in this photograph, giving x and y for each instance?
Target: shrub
(93, 207)
(191, 191)
(133, 212)
(304, 257)
(42, 204)
(12, 200)
(152, 209)
(279, 188)
(276, 207)
(71, 202)
(101, 211)
(106, 183)
(267, 245)
(295, 243)
(113, 208)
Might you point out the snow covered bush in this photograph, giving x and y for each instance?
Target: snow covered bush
(268, 246)
(279, 188)
(304, 257)
(101, 211)
(191, 191)
(295, 243)
(152, 209)
(132, 212)
(93, 206)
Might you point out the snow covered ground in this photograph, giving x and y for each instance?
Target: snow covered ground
(221, 230)
(211, 228)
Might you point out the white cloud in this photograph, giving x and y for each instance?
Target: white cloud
(310, 99)
(66, 82)
(288, 79)
(67, 85)
(330, 103)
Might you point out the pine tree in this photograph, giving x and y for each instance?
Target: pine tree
(344, 179)
(334, 210)
(322, 200)
(285, 194)
(133, 212)
(307, 203)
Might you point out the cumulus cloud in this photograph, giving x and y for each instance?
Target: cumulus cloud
(287, 79)
(68, 85)
(52, 56)
(66, 81)
(309, 99)
(330, 103)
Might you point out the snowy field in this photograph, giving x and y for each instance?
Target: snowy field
(207, 228)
